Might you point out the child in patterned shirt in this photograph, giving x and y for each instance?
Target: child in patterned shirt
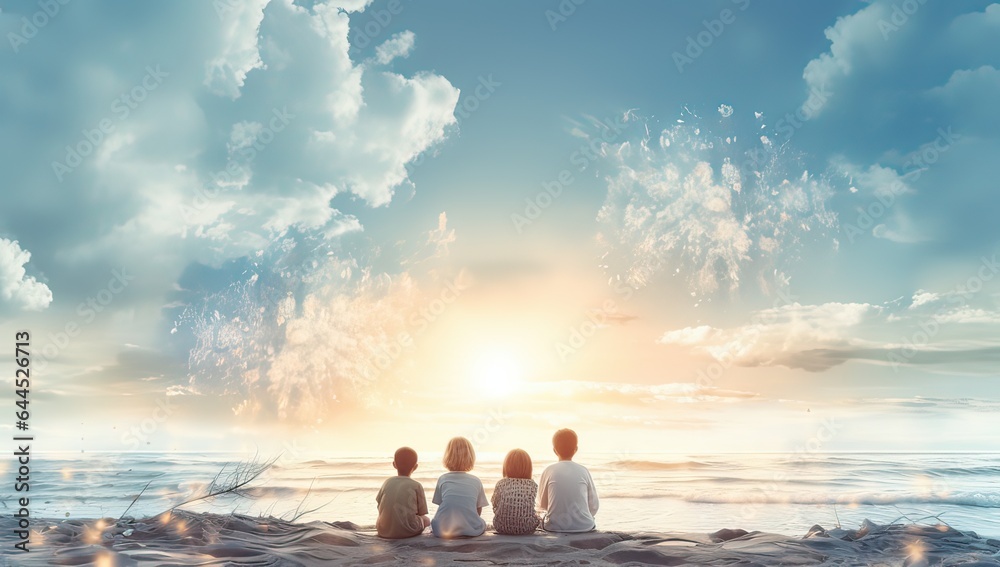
(514, 496)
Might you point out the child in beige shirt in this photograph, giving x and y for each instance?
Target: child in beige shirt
(402, 506)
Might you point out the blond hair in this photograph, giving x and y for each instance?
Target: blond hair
(459, 455)
(517, 464)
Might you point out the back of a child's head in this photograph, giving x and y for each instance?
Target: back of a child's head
(404, 460)
(565, 443)
(517, 464)
(459, 455)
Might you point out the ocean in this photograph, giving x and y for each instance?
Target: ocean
(664, 493)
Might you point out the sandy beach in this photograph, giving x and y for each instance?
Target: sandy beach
(183, 538)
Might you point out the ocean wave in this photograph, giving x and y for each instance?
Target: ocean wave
(637, 465)
(762, 496)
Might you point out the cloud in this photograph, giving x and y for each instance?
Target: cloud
(226, 73)
(309, 337)
(912, 93)
(976, 91)
(688, 335)
(779, 335)
(17, 289)
(945, 330)
(930, 404)
(640, 395)
(853, 38)
(252, 130)
(872, 49)
(399, 45)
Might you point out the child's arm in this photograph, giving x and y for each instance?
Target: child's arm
(421, 502)
(482, 499)
(436, 499)
(543, 491)
(592, 499)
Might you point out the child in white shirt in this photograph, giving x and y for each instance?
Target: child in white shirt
(566, 489)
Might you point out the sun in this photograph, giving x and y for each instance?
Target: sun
(496, 373)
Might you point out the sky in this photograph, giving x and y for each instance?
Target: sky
(341, 227)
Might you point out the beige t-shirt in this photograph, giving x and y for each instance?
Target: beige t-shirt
(400, 501)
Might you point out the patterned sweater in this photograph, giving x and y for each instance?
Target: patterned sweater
(514, 506)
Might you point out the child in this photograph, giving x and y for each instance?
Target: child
(514, 496)
(402, 506)
(567, 490)
(459, 495)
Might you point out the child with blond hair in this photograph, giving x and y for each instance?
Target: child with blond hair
(459, 495)
(514, 496)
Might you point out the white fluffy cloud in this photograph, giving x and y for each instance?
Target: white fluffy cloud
(852, 38)
(398, 45)
(17, 289)
(977, 92)
(944, 330)
(316, 125)
(778, 335)
(226, 72)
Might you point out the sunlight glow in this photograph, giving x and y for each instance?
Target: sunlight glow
(496, 373)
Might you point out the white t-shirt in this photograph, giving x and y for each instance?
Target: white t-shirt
(566, 491)
(458, 495)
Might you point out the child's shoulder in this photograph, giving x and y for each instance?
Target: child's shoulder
(565, 465)
(458, 476)
(401, 480)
